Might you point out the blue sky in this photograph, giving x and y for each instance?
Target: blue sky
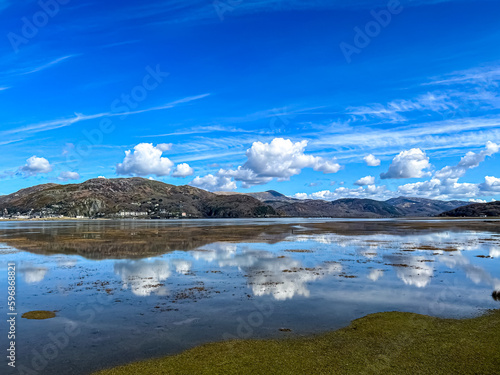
(254, 95)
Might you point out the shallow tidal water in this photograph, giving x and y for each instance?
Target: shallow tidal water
(131, 290)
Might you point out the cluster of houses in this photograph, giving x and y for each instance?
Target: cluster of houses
(5, 215)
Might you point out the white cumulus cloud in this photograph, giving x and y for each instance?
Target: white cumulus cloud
(469, 161)
(66, 176)
(408, 164)
(247, 177)
(280, 159)
(214, 183)
(368, 180)
(437, 189)
(283, 159)
(145, 160)
(183, 170)
(36, 165)
(490, 185)
(445, 185)
(368, 192)
(371, 160)
(477, 201)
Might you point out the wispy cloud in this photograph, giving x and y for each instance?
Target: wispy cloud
(282, 113)
(275, 117)
(9, 75)
(201, 130)
(477, 76)
(122, 43)
(437, 102)
(60, 123)
(464, 113)
(201, 11)
(207, 156)
(457, 132)
(460, 94)
(431, 101)
(47, 65)
(2, 143)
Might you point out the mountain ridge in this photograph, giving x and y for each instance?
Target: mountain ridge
(353, 207)
(138, 197)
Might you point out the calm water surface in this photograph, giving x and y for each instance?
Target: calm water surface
(129, 290)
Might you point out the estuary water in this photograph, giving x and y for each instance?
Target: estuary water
(130, 290)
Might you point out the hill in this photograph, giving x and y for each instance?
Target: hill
(475, 210)
(128, 197)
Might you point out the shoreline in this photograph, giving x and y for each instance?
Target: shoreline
(388, 342)
(409, 218)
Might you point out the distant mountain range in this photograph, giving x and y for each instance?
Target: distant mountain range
(352, 207)
(142, 198)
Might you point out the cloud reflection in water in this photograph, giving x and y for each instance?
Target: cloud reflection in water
(33, 275)
(143, 277)
(281, 277)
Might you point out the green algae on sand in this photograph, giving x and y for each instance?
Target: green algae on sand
(383, 343)
(39, 315)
